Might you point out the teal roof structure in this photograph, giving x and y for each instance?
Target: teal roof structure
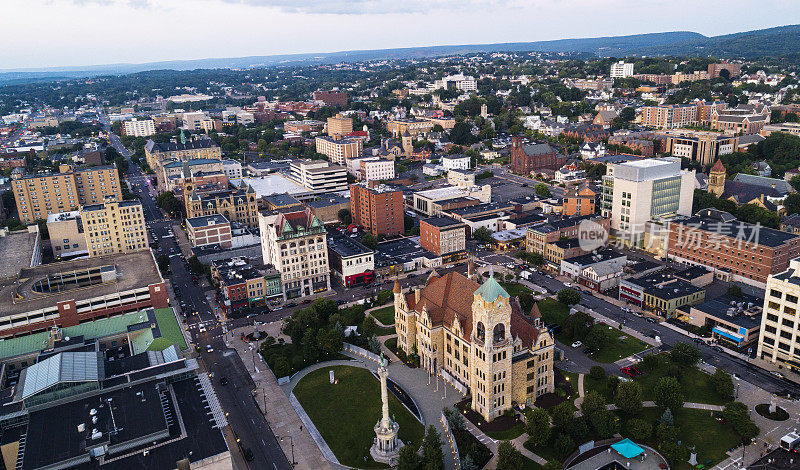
(491, 290)
(61, 368)
(627, 448)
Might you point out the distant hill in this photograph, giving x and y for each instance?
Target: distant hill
(783, 41)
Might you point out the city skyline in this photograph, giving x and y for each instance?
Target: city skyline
(280, 27)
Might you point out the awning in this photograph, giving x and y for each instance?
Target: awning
(728, 334)
(627, 448)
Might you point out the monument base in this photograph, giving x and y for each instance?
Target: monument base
(386, 447)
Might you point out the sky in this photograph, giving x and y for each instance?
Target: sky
(49, 33)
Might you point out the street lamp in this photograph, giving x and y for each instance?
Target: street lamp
(291, 442)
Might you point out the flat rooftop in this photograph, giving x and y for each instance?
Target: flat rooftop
(274, 184)
(727, 308)
(441, 222)
(16, 251)
(133, 271)
(347, 247)
(206, 220)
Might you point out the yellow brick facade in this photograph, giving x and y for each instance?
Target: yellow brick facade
(114, 227)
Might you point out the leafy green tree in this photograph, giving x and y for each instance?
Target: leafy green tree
(792, 201)
(668, 393)
(592, 402)
(538, 426)
(685, 354)
(577, 326)
(597, 373)
(568, 296)
(483, 235)
(666, 418)
(596, 339)
(461, 134)
(163, 263)
(432, 455)
(629, 398)
(537, 259)
(542, 190)
(639, 429)
(310, 345)
(561, 415)
(553, 465)
(408, 459)
(737, 415)
(508, 457)
(649, 362)
(369, 240)
(722, 383)
(669, 444)
(344, 216)
(604, 423)
(564, 445)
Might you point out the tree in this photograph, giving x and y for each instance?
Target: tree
(537, 259)
(669, 444)
(369, 240)
(163, 263)
(195, 266)
(553, 465)
(432, 455)
(722, 383)
(368, 327)
(792, 202)
(577, 326)
(666, 418)
(685, 354)
(737, 415)
(564, 445)
(169, 203)
(508, 457)
(649, 362)
(597, 373)
(668, 393)
(408, 459)
(461, 134)
(568, 296)
(639, 429)
(629, 398)
(538, 426)
(344, 216)
(408, 222)
(627, 114)
(596, 338)
(734, 291)
(604, 423)
(592, 402)
(483, 235)
(542, 190)
(310, 346)
(561, 415)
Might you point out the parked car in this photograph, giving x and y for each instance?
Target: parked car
(630, 371)
(652, 320)
(577, 344)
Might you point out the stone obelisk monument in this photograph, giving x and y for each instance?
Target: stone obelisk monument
(386, 446)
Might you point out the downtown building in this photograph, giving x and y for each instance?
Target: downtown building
(477, 338)
(734, 250)
(352, 263)
(236, 205)
(444, 236)
(779, 338)
(669, 116)
(318, 176)
(640, 191)
(139, 128)
(378, 208)
(531, 158)
(339, 149)
(40, 195)
(114, 227)
(294, 242)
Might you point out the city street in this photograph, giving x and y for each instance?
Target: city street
(207, 336)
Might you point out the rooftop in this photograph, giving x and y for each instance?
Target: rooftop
(347, 247)
(747, 233)
(119, 273)
(442, 222)
(274, 184)
(17, 251)
(742, 311)
(206, 220)
(592, 258)
(235, 271)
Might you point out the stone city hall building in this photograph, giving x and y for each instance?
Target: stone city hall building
(477, 338)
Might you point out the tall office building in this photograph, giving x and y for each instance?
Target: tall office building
(621, 69)
(339, 149)
(319, 176)
(139, 128)
(339, 125)
(40, 195)
(639, 191)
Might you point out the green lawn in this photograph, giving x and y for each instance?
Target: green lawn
(599, 386)
(384, 315)
(170, 331)
(547, 451)
(346, 412)
(509, 434)
(711, 438)
(553, 311)
(514, 289)
(528, 464)
(386, 331)
(620, 345)
(697, 387)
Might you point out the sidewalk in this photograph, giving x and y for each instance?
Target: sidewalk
(279, 413)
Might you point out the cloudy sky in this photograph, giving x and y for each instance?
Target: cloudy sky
(43, 33)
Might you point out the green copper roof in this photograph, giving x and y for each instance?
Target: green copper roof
(490, 290)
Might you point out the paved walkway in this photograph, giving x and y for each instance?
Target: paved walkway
(279, 413)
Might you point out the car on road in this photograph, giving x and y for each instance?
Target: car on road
(717, 348)
(568, 284)
(247, 453)
(577, 344)
(698, 340)
(202, 329)
(777, 374)
(223, 381)
(209, 349)
(652, 320)
(630, 371)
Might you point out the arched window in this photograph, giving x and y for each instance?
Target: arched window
(499, 333)
(480, 331)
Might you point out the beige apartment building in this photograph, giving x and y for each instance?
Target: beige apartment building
(40, 195)
(66, 234)
(339, 125)
(185, 149)
(476, 337)
(779, 339)
(114, 228)
(414, 127)
(339, 149)
(139, 128)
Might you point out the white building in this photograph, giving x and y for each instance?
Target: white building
(461, 178)
(319, 176)
(193, 121)
(638, 191)
(232, 169)
(570, 172)
(590, 150)
(779, 338)
(460, 81)
(295, 244)
(621, 69)
(137, 128)
(455, 162)
(375, 169)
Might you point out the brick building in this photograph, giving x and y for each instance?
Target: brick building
(529, 158)
(443, 236)
(331, 98)
(377, 207)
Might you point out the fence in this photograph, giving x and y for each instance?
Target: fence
(351, 348)
(451, 439)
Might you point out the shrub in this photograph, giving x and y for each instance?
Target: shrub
(597, 373)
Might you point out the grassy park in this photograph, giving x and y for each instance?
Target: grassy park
(352, 404)
(384, 315)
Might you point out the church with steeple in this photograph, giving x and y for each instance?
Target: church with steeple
(476, 336)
